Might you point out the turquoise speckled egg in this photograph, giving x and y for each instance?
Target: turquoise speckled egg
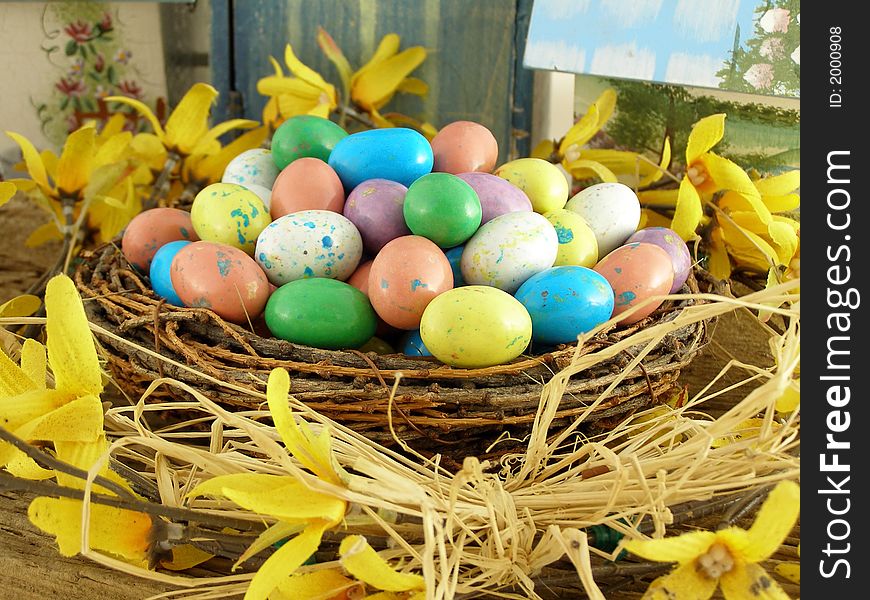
(397, 154)
(565, 302)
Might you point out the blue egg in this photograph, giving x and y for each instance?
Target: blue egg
(412, 344)
(397, 154)
(454, 255)
(565, 302)
(160, 281)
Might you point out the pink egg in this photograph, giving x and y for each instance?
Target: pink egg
(636, 272)
(497, 196)
(221, 278)
(464, 146)
(360, 280)
(673, 244)
(306, 184)
(407, 274)
(150, 230)
(375, 207)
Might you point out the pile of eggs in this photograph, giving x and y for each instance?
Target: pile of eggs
(343, 241)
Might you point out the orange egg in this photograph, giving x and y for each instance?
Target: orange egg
(637, 271)
(360, 280)
(464, 146)
(221, 278)
(306, 184)
(406, 275)
(150, 230)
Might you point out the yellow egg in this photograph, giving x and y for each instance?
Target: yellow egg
(542, 181)
(230, 214)
(577, 243)
(475, 326)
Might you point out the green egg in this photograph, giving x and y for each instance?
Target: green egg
(305, 136)
(442, 208)
(323, 313)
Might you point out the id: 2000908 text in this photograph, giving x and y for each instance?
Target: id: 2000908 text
(835, 66)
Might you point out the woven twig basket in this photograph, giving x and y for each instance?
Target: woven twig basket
(435, 409)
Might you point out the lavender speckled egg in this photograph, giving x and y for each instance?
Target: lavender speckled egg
(221, 278)
(637, 272)
(497, 196)
(668, 240)
(309, 243)
(375, 207)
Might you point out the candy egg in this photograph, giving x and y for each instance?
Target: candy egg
(306, 184)
(397, 153)
(464, 146)
(375, 207)
(670, 242)
(305, 135)
(454, 256)
(564, 302)
(221, 278)
(151, 229)
(497, 196)
(508, 250)
(541, 181)
(612, 210)
(475, 326)
(323, 313)
(577, 243)
(412, 344)
(263, 193)
(442, 208)
(161, 280)
(405, 276)
(378, 346)
(229, 214)
(252, 167)
(636, 272)
(309, 243)
(360, 277)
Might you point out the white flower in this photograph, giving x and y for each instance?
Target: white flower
(759, 76)
(772, 48)
(774, 20)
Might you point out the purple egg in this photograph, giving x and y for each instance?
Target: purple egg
(670, 242)
(497, 196)
(375, 207)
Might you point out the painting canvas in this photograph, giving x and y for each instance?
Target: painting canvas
(737, 45)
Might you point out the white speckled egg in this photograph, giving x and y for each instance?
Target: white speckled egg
(612, 210)
(252, 167)
(264, 193)
(309, 243)
(508, 250)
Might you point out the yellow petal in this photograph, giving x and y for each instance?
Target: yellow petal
(76, 161)
(413, 85)
(381, 81)
(80, 420)
(718, 262)
(272, 535)
(28, 404)
(360, 560)
(775, 520)
(143, 110)
(727, 175)
(650, 218)
(84, 455)
(619, 161)
(23, 185)
(123, 533)
(21, 465)
(662, 198)
(791, 397)
(211, 168)
(189, 121)
(13, 382)
(280, 86)
(606, 104)
(275, 495)
(682, 548)
(285, 561)
(20, 306)
(33, 362)
(71, 350)
(47, 232)
(387, 47)
(150, 149)
(688, 212)
(336, 56)
(583, 169)
(114, 149)
(780, 185)
(318, 585)
(218, 130)
(785, 241)
(750, 581)
(705, 134)
(276, 66)
(790, 571)
(581, 131)
(664, 162)
(7, 190)
(50, 160)
(747, 248)
(303, 72)
(544, 149)
(785, 203)
(113, 127)
(270, 113)
(290, 106)
(33, 162)
(683, 583)
(314, 452)
(185, 557)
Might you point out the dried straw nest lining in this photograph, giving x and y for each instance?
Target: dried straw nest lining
(433, 408)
